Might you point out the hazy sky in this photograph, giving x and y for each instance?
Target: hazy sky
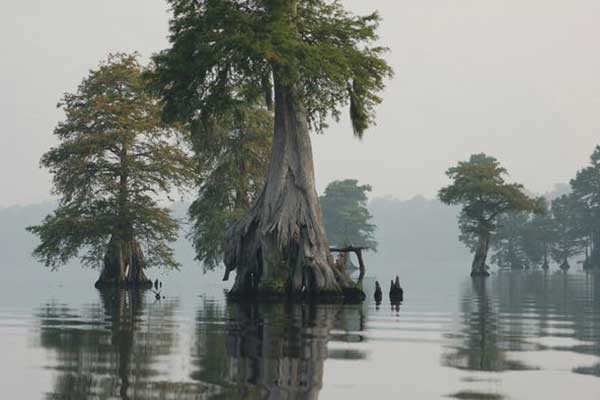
(515, 79)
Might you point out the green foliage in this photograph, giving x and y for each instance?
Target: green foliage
(113, 160)
(231, 165)
(479, 186)
(227, 61)
(586, 192)
(345, 214)
(586, 186)
(567, 234)
(509, 241)
(523, 240)
(227, 52)
(538, 235)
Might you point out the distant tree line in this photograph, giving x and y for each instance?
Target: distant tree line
(521, 231)
(567, 227)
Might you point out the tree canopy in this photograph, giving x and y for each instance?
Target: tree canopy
(345, 214)
(479, 186)
(567, 238)
(224, 52)
(114, 161)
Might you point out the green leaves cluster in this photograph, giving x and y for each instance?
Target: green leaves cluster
(229, 52)
(114, 160)
(479, 186)
(231, 168)
(345, 214)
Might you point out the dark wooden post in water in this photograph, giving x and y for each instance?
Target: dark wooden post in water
(356, 250)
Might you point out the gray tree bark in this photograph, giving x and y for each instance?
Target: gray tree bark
(478, 268)
(123, 265)
(280, 246)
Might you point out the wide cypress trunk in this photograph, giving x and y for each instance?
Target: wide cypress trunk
(280, 246)
(478, 268)
(123, 265)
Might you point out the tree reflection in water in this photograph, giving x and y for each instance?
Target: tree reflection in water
(272, 351)
(480, 345)
(527, 311)
(109, 350)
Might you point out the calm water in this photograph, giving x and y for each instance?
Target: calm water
(516, 336)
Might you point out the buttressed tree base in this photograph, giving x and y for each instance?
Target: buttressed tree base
(303, 59)
(123, 266)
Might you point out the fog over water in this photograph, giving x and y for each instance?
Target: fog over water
(518, 80)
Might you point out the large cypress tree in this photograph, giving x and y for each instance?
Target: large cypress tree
(115, 157)
(306, 59)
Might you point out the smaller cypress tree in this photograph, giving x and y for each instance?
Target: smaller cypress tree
(479, 186)
(114, 159)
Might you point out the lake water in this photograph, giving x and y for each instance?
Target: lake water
(514, 336)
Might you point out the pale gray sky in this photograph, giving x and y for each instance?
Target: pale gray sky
(516, 79)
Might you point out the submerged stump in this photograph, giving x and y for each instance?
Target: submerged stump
(396, 291)
(545, 265)
(565, 265)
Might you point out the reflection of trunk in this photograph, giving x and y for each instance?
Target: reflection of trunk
(123, 265)
(280, 246)
(124, 307)
(565, 265)
(546, 264)
(478, 267)
(483, 326)
(118, 353)
(277, 351)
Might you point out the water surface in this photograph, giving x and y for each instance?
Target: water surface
(514, 336)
